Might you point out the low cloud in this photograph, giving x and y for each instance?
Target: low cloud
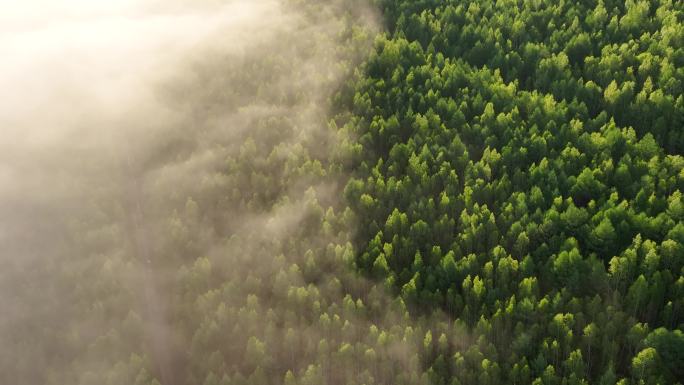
(164, 165)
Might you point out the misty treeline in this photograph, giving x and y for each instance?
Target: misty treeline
(520, 167)
(198, 235)
(489, 192)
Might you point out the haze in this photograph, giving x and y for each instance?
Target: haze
(152, 151)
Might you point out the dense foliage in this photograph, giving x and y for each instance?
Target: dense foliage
(490, 192)
(519, 166)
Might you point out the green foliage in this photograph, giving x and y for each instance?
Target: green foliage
(538, 146)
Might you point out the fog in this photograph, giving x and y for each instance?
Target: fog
(80, 80)
(170, 193)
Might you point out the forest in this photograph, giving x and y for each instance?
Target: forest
(305, 192)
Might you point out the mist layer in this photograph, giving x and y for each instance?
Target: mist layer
(170, 198)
